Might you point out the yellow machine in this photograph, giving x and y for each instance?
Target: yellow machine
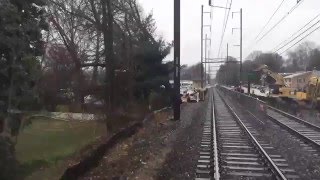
(270, 76)
(312, 91)
(274, 79)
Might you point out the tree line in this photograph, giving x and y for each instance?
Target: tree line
(306, 57)
(55, 52)
(192, 72)
(60, 51)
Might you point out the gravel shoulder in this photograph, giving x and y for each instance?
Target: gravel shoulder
(163, 149)
(180, 163)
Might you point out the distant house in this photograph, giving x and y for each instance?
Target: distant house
(298, 81)
(194, 83)
(197, 83)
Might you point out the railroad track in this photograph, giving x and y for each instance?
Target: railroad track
(310, 133)
(307, 133)
(230, 151)
(254, 124)
(242, 156)
(208, 147)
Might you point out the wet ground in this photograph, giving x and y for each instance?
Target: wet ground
(163, 149)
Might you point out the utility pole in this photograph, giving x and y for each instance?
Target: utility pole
(201, 47)
(240, 69)
(176, 97)
(213, 6)
(225, 73)
(205, 60)
(240, 47)
(227, 52)
(209, 69)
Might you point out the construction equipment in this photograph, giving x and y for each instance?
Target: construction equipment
(311, 92)
(273, 79)
(314, 89)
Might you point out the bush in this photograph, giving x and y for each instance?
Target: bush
(158, 100)
(8, 163)
(62, 108)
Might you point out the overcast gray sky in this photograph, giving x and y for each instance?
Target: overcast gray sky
(255, 16)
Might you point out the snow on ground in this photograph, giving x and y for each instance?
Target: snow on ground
(255, 91)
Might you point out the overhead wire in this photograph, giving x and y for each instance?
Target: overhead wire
(299, 2)
(300, 40)
(224, 22)
(298, 36)
(279, 6)
(283, 18)
(225, 26)
(285, 41)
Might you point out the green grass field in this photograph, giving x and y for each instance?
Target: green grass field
(43, 145)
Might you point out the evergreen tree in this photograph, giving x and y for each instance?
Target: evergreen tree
(21, 25)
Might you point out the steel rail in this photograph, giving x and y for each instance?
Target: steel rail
(215, 141)
(280, 111)
(273, 167)
(295, 132)
(295, 118)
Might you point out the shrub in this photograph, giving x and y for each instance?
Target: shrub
(8, 163)
(62, 108)
(158, 100)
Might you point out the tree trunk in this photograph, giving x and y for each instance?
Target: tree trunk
(79, 99)
(97, 57)
(130, 60)
(107, 14)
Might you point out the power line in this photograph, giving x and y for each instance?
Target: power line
(225, 26)
(270, 19)
(283, 18)
(300, 40)
(285, 41)
(298, 36)
(224, 22)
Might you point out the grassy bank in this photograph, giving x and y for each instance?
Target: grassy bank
(44, 145)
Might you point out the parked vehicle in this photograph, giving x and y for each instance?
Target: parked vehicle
(193, 96)
(183, 91)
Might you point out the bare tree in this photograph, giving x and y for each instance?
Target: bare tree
(110, 34)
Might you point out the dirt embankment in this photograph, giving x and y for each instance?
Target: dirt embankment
(162, 149)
